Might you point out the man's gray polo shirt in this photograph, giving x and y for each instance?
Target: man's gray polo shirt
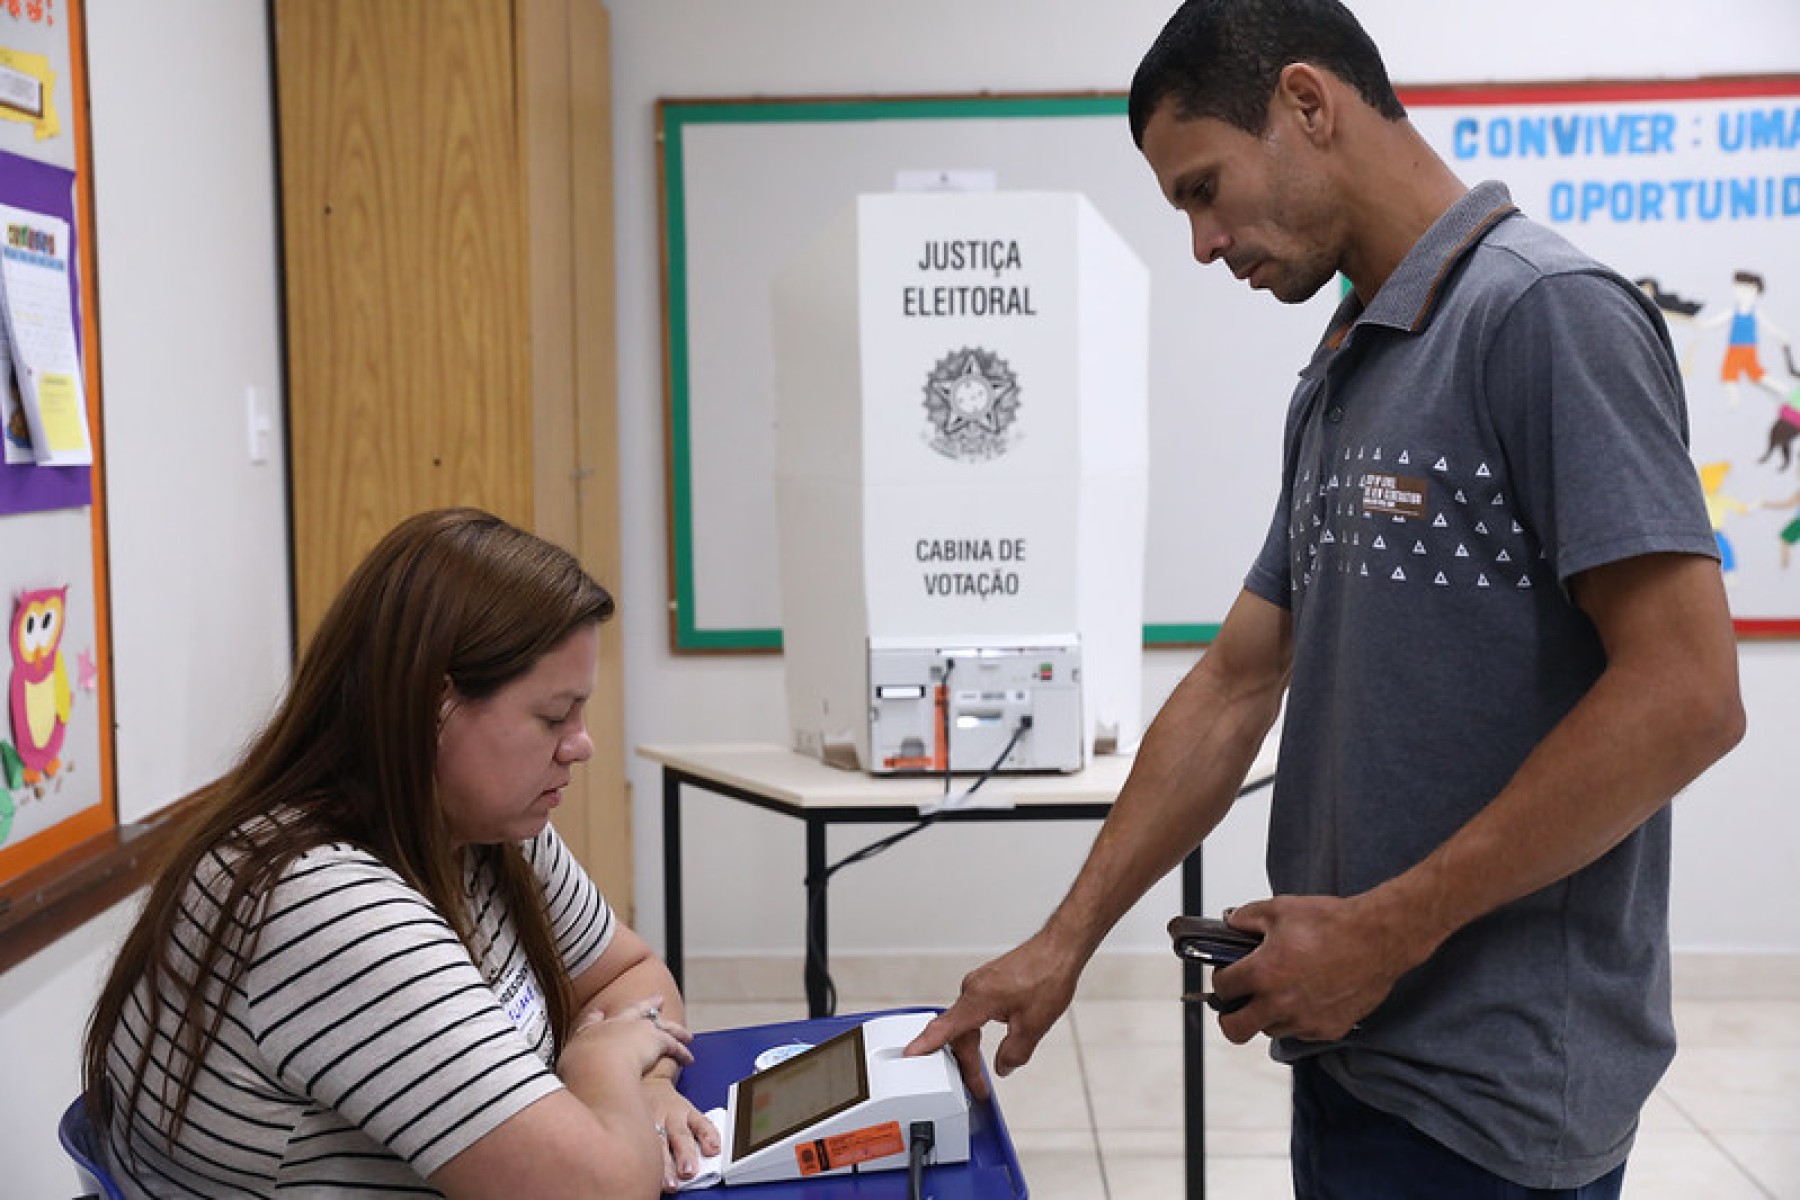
(1504, 415)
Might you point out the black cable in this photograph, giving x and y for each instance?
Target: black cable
(816, 885)
(924, 1137)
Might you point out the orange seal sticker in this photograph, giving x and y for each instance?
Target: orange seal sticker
(848, 1149)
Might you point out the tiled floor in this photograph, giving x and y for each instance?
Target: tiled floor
(1097, 1113)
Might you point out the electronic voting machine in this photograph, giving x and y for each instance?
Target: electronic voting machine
(846, 1104)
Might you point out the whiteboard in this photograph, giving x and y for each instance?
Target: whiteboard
(747, 184)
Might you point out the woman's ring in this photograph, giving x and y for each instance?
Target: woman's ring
(662, 1131)
(655, 1015)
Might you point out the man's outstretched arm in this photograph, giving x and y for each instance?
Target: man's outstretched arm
(1186, 774)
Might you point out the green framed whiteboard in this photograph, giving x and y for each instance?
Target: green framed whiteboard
(745, 183)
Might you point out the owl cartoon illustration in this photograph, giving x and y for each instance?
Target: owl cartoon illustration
(40, 681)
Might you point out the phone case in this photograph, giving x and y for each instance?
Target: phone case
(1211, 940)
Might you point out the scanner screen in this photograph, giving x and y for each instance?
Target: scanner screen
(800, 1092)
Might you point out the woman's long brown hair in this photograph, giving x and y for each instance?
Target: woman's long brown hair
(349, 756)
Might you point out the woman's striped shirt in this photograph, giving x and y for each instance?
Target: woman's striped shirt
(362, 1048)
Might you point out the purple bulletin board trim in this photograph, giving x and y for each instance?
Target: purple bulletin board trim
(42, 188)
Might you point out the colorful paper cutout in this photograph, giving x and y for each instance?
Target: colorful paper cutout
(28, 91)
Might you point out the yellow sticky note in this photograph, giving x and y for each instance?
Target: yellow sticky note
(59, 403)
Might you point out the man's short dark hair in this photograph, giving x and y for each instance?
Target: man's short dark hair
(1222, 59)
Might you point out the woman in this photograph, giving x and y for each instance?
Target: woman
(375, 967)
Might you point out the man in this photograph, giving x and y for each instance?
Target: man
(1490, 597)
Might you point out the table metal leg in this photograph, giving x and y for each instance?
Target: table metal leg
(818, 1002)
(1193, 1039)
(671, 815)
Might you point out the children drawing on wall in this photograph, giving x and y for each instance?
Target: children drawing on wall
(1718, 507)
(1747, 325)
(1787, 417)
(1790, 533)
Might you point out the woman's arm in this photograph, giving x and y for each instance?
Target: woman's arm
(363, 999)
(629, 981)
(600, 1137)
(628, 973)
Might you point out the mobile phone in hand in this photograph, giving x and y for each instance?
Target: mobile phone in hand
(1210, 940)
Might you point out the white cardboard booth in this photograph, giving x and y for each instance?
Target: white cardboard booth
(962, 453)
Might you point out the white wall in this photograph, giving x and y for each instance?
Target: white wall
(44, 1006)
(185, 199)
(990, 885)
(186, 207)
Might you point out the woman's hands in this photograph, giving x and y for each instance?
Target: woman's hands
(687, 1134)
(641, 1035)
(637, 1032)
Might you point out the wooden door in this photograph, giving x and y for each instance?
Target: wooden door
(447, 223)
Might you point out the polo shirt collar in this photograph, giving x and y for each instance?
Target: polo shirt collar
(1406, 300)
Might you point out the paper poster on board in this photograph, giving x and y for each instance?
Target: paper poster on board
(39, 324)
(25, 486)
(50, 733)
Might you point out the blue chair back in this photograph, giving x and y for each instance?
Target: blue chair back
(81, 1141)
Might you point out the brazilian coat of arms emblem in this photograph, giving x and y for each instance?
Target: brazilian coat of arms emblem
(972, 398)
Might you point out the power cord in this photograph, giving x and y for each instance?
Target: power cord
(924, 1138)
(816, 884)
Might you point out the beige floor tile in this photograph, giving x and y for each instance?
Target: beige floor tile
(1060, 1166)
(1738, 1088)
(1134, 1087)
(1128, 1022)
(1145, 1176)
(1220, 1143)
(1246, 1089)
(1127, 1142)
(1036, 1140)
(1164, 1177)
(1248, 1179)
(1685, 1166)
(1736, 976)
(1772, 1159)
(1142, 1085)
(1246, 1143)
(1661, 1113)
(1048, 1094)
(1738, 1022)
(1143, 1088)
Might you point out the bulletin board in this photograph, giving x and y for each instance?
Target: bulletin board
(1687, 183)
(55, 743)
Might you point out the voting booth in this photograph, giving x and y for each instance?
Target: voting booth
(961, 460)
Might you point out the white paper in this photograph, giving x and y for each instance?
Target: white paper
(15, 434)
(711, 1172)
(40, 325)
